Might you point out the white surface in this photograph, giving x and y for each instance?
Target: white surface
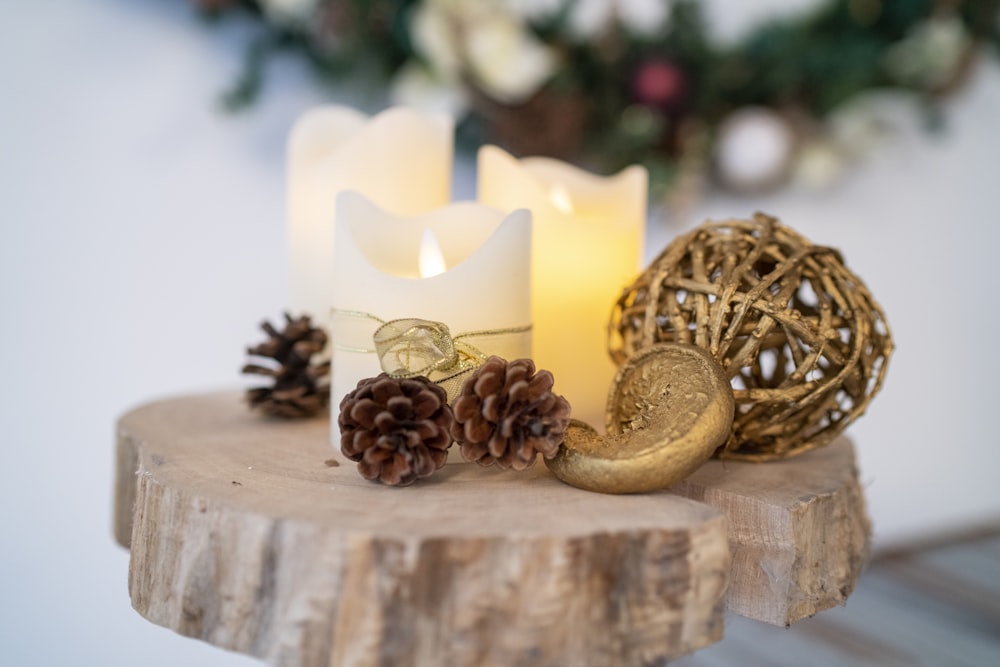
(142, 240)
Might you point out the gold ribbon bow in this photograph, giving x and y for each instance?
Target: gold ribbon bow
(411, 346)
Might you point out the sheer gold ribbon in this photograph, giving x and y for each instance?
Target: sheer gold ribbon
(409, 347)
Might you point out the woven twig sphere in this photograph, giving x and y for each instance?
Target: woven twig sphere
(802, 340)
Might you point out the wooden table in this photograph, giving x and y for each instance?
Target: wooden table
(257, 536)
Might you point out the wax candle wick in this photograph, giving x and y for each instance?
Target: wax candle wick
(431, 259)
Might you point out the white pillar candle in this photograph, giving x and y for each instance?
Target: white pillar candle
(481, 281)
(587, 246)
(400, 159)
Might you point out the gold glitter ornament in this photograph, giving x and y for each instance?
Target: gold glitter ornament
(800, 337)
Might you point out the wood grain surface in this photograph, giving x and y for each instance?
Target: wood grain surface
(798, 529)
(255, 535)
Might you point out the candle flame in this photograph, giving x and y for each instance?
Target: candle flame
(431, 260)
(560, 199)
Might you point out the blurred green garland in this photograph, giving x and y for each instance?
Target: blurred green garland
(630, 90)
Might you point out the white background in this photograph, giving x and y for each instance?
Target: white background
(142, 241)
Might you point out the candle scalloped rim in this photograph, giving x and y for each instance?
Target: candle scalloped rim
(357, 215)
(583, 189)
(332, 134)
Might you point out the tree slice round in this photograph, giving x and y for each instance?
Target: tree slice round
(255, 535)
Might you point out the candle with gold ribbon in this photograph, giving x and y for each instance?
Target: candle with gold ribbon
(587, 246)
(400, 159)
(429, 295)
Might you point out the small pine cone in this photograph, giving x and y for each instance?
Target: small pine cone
(396, 429)
(301, 381)
(506, 414)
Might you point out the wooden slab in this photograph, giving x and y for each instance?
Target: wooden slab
(243, 536)
(246, 538)
(798, 529)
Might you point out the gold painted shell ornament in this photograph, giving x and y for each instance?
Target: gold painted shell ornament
(670, 408)
(789, 340)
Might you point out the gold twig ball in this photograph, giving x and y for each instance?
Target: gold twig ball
(802, 340)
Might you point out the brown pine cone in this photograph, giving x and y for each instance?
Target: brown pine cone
(301, 385)
(397, 429)
(506, 414)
